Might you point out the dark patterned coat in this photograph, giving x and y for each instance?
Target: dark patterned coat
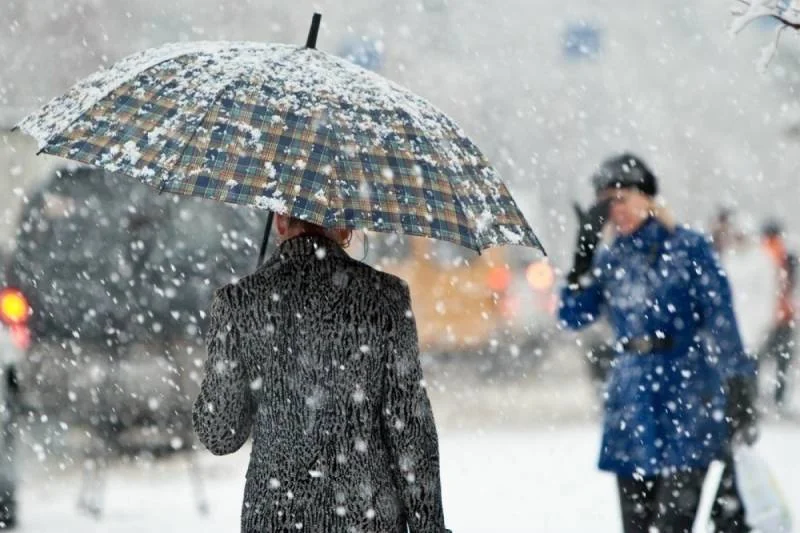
(316, 355)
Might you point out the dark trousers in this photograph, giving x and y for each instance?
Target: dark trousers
(669, 503)
(780, 345)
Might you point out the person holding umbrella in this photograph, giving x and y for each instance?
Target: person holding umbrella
(682, 388)
(314, 354)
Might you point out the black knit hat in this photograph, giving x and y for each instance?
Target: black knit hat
(625, 171)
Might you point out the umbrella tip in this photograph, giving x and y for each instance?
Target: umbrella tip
(15, 128)
(314, 31)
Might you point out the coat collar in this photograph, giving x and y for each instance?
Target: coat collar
(651, 231)
(310, 245)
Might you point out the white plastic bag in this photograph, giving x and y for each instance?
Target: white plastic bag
(708, 495)
(766, 509)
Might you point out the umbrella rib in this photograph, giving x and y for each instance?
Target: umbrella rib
(186, 145)
(334, 174)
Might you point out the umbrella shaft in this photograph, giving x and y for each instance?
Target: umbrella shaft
(265, 239)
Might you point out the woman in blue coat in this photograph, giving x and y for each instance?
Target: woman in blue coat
(681, 386)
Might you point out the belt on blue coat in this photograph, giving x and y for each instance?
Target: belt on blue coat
(646, 344)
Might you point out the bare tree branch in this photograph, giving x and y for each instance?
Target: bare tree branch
(788, 15)
(748, 11)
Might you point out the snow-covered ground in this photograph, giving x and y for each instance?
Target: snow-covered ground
(536, 480)
(518, 455)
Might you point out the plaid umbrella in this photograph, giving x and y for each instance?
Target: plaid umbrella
(288, 129)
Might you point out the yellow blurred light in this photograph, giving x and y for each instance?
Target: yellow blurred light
(541, 276)
(13, 306)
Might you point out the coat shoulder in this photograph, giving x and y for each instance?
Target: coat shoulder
(689, 239)
(396, 288)
(392, 289)
(226, 299)
(381, 280)
(392, 282)
(238, 294)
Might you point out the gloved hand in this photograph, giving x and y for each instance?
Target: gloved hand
(590, 224)
(741, 409)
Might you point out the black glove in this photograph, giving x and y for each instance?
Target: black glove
(741, 409)
(591, 224)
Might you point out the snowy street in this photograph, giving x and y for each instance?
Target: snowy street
(514, 482)
(517, 456)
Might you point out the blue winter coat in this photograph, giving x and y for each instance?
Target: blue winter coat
(664, 409)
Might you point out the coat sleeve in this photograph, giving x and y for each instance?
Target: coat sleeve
(580, 306)
(408, 426)
(222, 414)
(712, 292)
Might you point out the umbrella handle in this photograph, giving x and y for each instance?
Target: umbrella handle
(265, 239)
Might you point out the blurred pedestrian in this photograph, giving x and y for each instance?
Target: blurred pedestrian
(316, 355)
(750, 272)
(723, 232)
(780, 343)
(682, 386)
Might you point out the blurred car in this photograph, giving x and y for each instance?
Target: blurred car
(499, 302)
(117, 280)
(14, 340)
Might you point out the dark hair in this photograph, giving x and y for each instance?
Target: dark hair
(311, 228)
(772, 228)
(724, 214)
(298, 222)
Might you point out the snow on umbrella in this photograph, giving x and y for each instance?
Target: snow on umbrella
(288, 129)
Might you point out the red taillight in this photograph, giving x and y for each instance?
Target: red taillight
(499, 279)
(540, 276)
(14, 307)
(21, 336)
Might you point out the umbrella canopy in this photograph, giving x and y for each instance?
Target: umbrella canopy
(289, 129)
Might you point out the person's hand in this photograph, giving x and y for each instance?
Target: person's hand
(590, 227)
(741, 409)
